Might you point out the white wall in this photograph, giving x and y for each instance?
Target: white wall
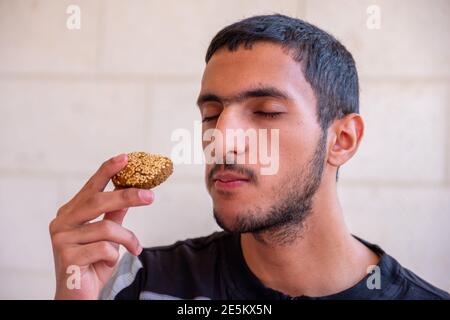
(69, 99)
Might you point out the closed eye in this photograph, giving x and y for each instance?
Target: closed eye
(268, 114)
(207, 119)
(260, 113)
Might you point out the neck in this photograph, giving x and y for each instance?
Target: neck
(323, 259)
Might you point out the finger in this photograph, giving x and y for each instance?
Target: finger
(102, 202)
(117, 216)
(91, 253)
(104, 230)
(97, 182)
(106, 171)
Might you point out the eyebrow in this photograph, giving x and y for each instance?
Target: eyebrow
(251, 93)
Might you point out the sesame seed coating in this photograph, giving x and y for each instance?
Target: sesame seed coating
(144, 171)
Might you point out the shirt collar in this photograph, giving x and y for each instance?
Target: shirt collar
(243, 284)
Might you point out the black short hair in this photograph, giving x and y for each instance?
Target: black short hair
(327, 65)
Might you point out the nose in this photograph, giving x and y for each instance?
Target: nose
(232, 125)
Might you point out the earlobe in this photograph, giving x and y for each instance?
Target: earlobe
(344, 137)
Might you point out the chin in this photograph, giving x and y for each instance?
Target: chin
(226, 211)
(225, 217)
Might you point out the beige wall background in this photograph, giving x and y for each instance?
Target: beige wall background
(70, 99)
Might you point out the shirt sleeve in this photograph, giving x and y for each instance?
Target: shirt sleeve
(124, 277)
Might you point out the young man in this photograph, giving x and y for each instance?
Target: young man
(285, 236)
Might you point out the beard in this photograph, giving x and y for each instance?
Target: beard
(281, 223)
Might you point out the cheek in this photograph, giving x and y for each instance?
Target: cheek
(270, 185)
(294, 149)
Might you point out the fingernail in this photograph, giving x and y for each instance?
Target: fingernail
(139, 250)
(120, 157)
(145, 195)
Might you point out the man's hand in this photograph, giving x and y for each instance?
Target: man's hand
(93, 247)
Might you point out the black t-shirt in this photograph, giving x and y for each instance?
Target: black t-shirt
(213, 267)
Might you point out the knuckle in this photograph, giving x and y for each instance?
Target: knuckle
(61, 210)
(133, 239)
(94, 200)
(107, 228)
(108, 251)
(104, 247)
(57, 240)
(129, 195)
(114, 255)
(106, 164)
(52, 227)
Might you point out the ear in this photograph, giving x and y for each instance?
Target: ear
(344, 137)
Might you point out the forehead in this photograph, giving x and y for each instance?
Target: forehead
(265, 64)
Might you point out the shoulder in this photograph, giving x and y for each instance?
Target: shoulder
(416, 288)
(399, 282)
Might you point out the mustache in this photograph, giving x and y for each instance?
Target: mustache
(239, 169)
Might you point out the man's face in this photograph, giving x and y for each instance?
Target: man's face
(261, 88)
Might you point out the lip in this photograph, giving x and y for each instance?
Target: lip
(229, 180)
